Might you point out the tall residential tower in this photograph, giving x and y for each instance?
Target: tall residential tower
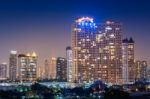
(97, 51)
(13, 65)
(27, 67)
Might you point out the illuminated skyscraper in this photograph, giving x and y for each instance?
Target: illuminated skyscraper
(97, 51)
(69, 63)
(13, 65)
(52, 69)
(128, 60)
(27, 67)
(61, 69)
(3, 71)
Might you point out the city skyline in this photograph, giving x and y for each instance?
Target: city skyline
(36, 26)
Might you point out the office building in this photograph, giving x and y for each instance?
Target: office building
(61, 69)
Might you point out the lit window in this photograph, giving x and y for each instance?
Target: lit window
(104, 57)
(112, 36)
(104, 66)
(108, 28)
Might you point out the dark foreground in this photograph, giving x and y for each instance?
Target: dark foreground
(97, 90)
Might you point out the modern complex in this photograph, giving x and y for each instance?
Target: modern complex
(27, 67)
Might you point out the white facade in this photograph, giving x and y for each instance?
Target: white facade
(69, 64)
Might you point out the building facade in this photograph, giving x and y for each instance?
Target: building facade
(69, 63)
(128, 61)
(13, 65)
(46, 70)
(27, 67)
(52, 69)
(141, 70)
(61, 69)
(97, 51)
(3, 71)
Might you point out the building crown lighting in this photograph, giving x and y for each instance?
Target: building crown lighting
(84, 19)
(34, 54)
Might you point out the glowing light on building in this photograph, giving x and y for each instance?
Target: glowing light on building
(84, 19)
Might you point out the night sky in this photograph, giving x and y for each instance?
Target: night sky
(44, 26)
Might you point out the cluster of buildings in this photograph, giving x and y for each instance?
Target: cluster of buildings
(98, 51)
(22, 67)
(59, 68)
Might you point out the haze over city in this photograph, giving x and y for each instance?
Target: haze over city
(45, 26)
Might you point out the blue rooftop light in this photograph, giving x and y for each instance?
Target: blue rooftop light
(86, 23)
(94, 24)
(82, 23)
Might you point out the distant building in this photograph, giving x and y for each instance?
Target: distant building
(47, 69)
(141, 70)
(61, 69)
(97, 51)
(3, 71)
(13, 65)
(39, 72)
(52, 68)
(128, 61)
(148, 74)
(69, 63)
(27, 67)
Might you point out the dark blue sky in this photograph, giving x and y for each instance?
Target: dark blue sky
(44, 26)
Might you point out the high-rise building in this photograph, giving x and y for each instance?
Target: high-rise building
(128, 61)
(27, 67)
(13, 65)
(125, 61)
(3, 71)
(97, 51)
(69, 63)
(141, 70)
(61, 69)
(47, 65)
(52, 69)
